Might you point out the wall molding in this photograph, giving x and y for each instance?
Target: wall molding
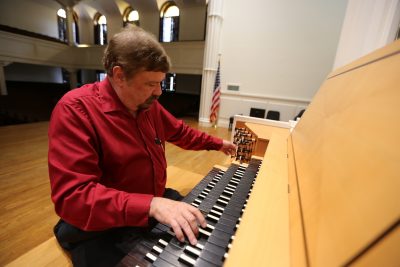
(186, 57)
(234, 103)
(268, 97)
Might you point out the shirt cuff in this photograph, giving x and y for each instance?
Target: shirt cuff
(217, 144)
(137, 210)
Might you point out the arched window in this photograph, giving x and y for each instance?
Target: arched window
(62, 24)
(169, 22)
(75, 28)
(131, 16)
(100, 29)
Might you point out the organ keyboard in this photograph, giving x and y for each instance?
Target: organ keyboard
(221, 196)
(326, 194)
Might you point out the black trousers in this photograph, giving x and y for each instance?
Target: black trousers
(101, 248)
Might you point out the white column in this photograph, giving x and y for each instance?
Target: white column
(73, 79)
(210, 62)
(3, 86)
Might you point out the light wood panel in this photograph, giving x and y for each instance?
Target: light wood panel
(347, 157)
(385, 253)
(262, 238)
(27, 214)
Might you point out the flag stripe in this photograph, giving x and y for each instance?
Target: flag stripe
(216, 96)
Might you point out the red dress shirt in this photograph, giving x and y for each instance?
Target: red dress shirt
(105, 165)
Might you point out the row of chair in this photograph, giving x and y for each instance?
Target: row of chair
(260, 113)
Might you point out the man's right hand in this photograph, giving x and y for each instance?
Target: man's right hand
(182, 217)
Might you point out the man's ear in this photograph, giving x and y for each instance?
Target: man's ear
(118, 74)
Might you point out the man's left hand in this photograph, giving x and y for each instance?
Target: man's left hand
(228, 148)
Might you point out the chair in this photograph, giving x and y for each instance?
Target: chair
(257, 112)
(299, 115)
(273, 115)
(230, 123)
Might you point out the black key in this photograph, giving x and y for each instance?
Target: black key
(211, 257)
(225, 228)
(214, 249)
(216, 241)
(172, 259)
(161, 263)
(203, 263)
(221, 235)
(133, 259)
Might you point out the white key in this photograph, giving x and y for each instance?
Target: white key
(222, 201)
(230, 187)
(203, 195)
(193, 250)
(163, 242)
(204, 232)
(218, 208)
(212, 217)
(187, 259)
(157, 249)
(151, 257)
(194, 204)
(229, 192)
(225, 197)
(199, 246)
(210, 226)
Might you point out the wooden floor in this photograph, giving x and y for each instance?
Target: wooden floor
(26, 211)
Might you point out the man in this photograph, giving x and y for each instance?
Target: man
(107, 163)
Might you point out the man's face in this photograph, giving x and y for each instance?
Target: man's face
(140, 91)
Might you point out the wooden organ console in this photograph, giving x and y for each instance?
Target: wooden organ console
(323, 193)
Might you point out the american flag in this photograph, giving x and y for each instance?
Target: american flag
(216, 97)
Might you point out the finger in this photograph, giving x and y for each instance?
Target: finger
(192, 222)
(187, 230)
(199, 216)
(177, 230)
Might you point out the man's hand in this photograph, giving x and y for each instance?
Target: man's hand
(182, 217)
(228, 148)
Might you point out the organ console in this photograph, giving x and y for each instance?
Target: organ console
(323, 193)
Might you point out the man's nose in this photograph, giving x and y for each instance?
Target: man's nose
(158, 90)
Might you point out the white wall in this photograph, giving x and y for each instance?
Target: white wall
(368, 25)
(38, 16)
(282, 48)
(279, 53)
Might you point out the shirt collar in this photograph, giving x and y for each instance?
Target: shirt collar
(109, 98)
